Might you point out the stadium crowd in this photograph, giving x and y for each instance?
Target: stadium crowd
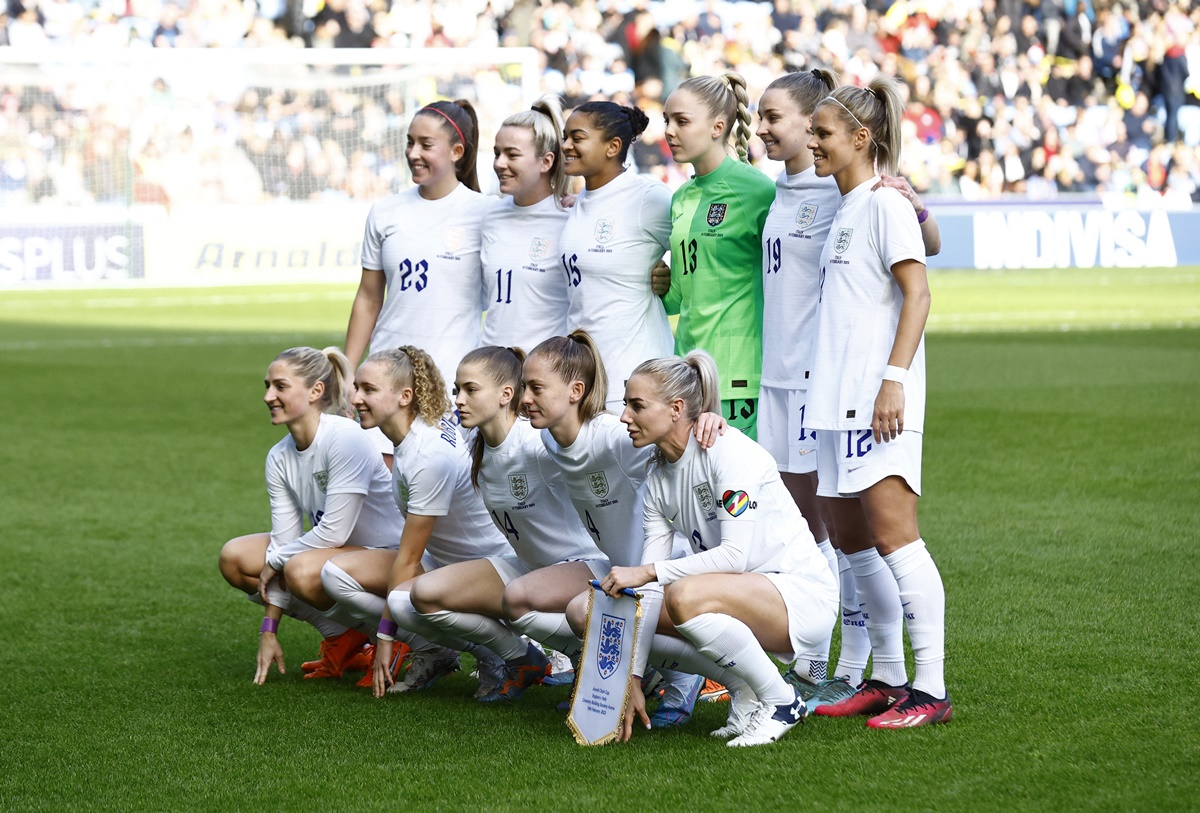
(1035, 97)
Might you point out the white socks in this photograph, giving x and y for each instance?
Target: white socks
(418, 631)
(924, 602)
(879, 598)
(815, 667)
(552, 630)
(669, 652)
(480, 629)
(856, 645)
(730, 643)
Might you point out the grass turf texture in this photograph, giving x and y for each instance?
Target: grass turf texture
(1061, 484)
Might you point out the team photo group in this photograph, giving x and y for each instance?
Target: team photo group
(512, 417)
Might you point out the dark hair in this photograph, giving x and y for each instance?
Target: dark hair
(459, 120)
(503, 366)
(616, 121)
(576, 358)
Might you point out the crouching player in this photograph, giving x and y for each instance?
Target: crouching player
(755, 582)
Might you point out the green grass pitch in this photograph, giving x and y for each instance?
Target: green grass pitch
(1062, 481)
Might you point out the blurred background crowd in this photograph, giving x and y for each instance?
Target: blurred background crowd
(1037, 98)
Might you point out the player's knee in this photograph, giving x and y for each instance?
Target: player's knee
(426, 595)
(683, 601)
(303, 576)
(577, 615)
(516, 600)
(232, 562)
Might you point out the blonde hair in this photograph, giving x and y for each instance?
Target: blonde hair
(329, 366)
(503, 366)
(575, 358)
(691, 379)
(806, 88)
(878, 108)
(725, 97)
(411, 367)
(545, 119)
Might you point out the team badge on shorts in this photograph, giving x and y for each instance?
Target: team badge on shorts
(735, 502)
(806, 214)
(704, 497)
(716, 213)
(519, 486)
(598, 483)
(453, 237)
(608, 654)
(539, 249)
(322, 478)
(842, 241)
(606, 230)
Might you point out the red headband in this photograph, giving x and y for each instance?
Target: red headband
(447, 118)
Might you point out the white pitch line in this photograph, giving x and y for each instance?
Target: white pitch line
(212, 300)
(152, 341)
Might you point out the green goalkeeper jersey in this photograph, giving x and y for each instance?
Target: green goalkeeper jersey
(716, 271)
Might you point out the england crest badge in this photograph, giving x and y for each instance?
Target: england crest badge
(842, 242)
(806, 214)
(606, 230)
(539, 249)
(608, 653)
(519, 486)
(598, 483)
(716, 213)
(453, 237)
(704, 496)
(322, 478)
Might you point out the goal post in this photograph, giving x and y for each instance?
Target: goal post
(218, 166)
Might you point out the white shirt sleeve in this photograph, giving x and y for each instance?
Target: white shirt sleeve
(431, 486)
(897, 232)
(287, 518)
(372, 246)
(655, 214)
(352, 461)
(731, 556)
(331, 531)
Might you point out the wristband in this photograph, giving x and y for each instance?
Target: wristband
(924, 215)
(387, 629)
(892, 373)
(270, 625)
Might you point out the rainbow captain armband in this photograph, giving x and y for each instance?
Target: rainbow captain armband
(270, 625)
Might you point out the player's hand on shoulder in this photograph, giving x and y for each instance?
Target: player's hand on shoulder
(709, 426)
(902, 186)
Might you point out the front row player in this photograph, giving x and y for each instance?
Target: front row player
(325, 472)
(755, 582)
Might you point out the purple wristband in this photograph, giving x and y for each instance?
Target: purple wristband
(921, 218)
(387, 627)
(269, 625)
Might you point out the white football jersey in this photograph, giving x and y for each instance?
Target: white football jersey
(613, 237)
(793, 237)
(734, 510)
(860, 309)
(525, 286)
(605, 475)
(431, 476)
(526, 493)
(429, 251)
(340, 460)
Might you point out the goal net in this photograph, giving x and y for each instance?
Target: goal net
(195, 166)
